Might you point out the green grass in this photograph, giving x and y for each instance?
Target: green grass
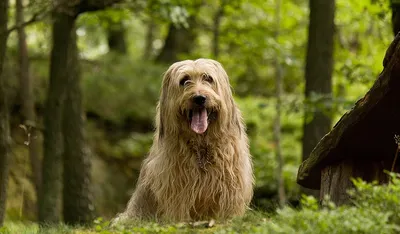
(375, 209)
(239, 225)
(33, 228)
(308, 220)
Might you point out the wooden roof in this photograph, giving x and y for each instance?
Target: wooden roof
(367, 130)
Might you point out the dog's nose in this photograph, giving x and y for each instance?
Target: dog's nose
(199, 99)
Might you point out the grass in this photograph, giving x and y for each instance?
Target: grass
(374, 209)
(33, 228)
(240, 225)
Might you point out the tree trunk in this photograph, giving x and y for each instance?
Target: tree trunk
(335, 181)
(318, 73)
(180, 40)
(77, 197)
(278, 108)
(4, 124)
(148, 49)
(395, 16)
(336, 178)
(50, 196)
(116, 37)
(216, 31)
(366, 133)
(27, 99)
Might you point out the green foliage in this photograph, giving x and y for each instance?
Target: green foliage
(134, 145)
(117, 88)
(258, 113)
(124, 89)
(375, 197)
(375, 209)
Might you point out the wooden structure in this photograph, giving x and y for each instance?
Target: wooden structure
(362, 143)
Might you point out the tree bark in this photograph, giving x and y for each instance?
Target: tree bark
(27, 99)
(50, 196)
(179, 40)
(278, 108)
(217, 25)
(116, 37)
(395, 5)
(4, 124)
(318, 73)
(77, 197)
(335, 181)
(148, 49)
(365, 133)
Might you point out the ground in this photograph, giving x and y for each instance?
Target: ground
(375, 209)
(100, 226)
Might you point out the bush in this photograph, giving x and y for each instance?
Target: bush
(127, 89)
(259, 115)
(375, 209)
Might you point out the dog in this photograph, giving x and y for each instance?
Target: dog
(199, 166)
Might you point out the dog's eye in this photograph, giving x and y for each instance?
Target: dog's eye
(207, 78)
(184, 80)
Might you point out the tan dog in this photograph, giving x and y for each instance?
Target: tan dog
(199, 165)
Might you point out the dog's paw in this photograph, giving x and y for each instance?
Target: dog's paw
(118, 220)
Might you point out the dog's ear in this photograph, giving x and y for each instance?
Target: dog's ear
(161, 107)
(237, 120)
(236, 117)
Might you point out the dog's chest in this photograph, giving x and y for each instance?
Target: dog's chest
(203, 154)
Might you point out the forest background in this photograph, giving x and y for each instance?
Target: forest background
(81, 81)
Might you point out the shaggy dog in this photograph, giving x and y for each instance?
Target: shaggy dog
(199, 165)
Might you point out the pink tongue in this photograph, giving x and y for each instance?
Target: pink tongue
(199, 122)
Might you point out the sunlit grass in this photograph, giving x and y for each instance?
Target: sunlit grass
(33, 228)
(238, 225)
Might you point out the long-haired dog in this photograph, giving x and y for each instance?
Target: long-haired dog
(199, 165)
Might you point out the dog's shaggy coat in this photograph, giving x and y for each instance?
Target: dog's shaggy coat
(199, 165)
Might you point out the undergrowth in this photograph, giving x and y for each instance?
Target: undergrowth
(374, 209)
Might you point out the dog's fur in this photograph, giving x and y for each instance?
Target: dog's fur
(193, 176)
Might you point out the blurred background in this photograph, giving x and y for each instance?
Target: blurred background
(123, 51)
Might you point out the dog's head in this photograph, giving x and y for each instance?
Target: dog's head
(195, 96)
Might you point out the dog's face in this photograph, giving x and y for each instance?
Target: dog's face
(196, 95)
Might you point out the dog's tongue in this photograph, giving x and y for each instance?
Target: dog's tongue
(199, 122)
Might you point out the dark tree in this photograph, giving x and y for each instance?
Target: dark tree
(4, 124)
(216, 28)
(63, 56)
(27, 98)
(116, 37)
(77, 202)
(318, 72)
(148, 48)
(363, 144)
(395, 4)
(180, 40)
(49, 208)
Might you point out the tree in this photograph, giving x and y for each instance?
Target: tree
(27, 98)
(116, 37)
(318, 72)
(180, 40)
(77, 200)
(4, 124)
(64, 58)
(216, 30)
(278, 108)
(395, 4)
(148, 48)
(49, 209)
